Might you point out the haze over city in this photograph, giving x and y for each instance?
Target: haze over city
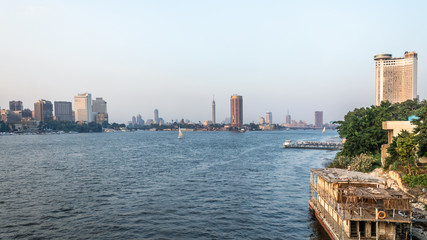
(175, 55)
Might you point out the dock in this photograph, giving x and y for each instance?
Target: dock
(313, 145)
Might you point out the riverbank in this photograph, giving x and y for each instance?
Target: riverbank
(419, 196)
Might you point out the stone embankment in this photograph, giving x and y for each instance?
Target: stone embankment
(394, 180)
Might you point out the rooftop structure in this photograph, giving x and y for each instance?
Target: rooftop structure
(353, 205)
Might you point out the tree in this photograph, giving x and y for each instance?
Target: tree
(362, 127)
(403, 152)
(421, 131)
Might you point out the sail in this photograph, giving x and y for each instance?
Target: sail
(180, 133)
(324, 129)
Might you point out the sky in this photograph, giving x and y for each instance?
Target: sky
(296, 56)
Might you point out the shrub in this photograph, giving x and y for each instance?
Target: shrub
(362, 163)
(418, 180)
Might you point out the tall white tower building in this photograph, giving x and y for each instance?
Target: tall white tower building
(83, 107)
(396, 78)
(269, 117)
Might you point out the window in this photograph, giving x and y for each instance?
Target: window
(373, 229)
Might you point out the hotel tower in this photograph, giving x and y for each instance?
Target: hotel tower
(396, 78)
(236, 111)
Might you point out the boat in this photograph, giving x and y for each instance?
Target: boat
(324, 129)
(180, 136)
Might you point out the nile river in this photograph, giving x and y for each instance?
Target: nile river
(150, 185)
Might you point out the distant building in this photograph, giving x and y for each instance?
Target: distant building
(139, 120)
(213, 112)
(395, 78)
(15, 106)
(27, 114)
(101, 118)
(269, 118)
(63, 111)
(261, 120)
(83, 107)
(288, 119)
(318, 119)
(149, 122)
(43, 110)
(99, 107)
(156, 116)
(9, 116)
(236, 111)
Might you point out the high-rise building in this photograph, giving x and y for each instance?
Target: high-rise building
(288, 119)
(269, 117)
(213, 112)
(156, 116)
(63, 111)
(261, 120)
(43, 110)
(236, 111)
(139, 120)
(83, 107)
(396, 78)
(318, 119)
(99, 105)
(15, 106)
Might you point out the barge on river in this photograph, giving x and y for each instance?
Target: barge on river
(313, 145)
(351, 205)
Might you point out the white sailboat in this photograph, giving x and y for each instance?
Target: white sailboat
(179, 133)
(324, 129)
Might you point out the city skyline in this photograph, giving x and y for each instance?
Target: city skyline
(278, 55)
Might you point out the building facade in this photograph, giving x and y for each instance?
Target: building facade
(83, 107)
(63, 111)
(395, 78)
(156, 116)
(213, 112)
(318, 119)
(99, 105)
(15, 106)
(269, 118)
(236, 111)
(43, 110)
(288, 119)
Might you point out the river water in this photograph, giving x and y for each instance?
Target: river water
(151, 185)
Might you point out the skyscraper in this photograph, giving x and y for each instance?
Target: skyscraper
(213, 112)
(83, 107)
(288, 119)
(15, 106)
(43, 110)
(156, 116)
(99, 105)
(236, 111)
(395, 78)
(269, 117)
(318, 119)
(63, 111)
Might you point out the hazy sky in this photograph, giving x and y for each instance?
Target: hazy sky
(175, 55)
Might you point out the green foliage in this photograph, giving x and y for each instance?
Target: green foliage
(72, 126)
(403, 152)
(340, 161)
(421, 130)
(361, 163)
(362, 128)
(4, 127)
(418, 180)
